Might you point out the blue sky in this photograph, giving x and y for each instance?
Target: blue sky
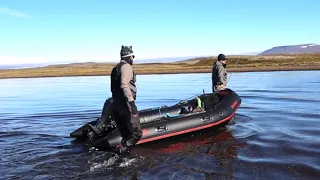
(33, 31)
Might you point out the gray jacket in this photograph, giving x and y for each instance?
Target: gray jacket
(128, 80)
(219, 76)
(123, 81)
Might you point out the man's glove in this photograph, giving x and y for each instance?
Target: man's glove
(133, 107)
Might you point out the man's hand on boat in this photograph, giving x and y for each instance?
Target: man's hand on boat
(222, 87)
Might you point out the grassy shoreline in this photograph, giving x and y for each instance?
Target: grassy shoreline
(199, 65)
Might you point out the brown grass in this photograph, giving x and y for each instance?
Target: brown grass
(199, 65)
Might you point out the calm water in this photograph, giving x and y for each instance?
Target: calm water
(274, 135)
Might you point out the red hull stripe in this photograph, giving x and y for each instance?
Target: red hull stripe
(188, 130)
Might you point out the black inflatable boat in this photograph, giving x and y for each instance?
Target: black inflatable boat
(200, 112)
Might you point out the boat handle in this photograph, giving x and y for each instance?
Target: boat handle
(161, 128)
(206, 118)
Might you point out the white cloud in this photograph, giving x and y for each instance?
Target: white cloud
(12, 12)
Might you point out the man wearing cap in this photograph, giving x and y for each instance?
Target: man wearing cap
(124, 91)
(219, 74)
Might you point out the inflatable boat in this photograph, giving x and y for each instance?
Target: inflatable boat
(193, 114)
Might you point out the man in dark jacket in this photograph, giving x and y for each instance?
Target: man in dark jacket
(219, 74)
(124, 92)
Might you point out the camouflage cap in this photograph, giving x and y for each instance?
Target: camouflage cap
(126, 51)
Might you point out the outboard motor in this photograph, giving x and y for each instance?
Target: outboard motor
(105, 123)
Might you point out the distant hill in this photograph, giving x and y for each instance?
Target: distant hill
(163, 60)
(293, 49)
(21, 66)
(95, 63)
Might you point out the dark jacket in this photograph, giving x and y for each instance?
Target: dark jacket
(219, 76)
(123, 81)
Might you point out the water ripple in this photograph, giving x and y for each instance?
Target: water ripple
(274, 135)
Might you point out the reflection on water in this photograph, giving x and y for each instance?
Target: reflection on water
(274, 134)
